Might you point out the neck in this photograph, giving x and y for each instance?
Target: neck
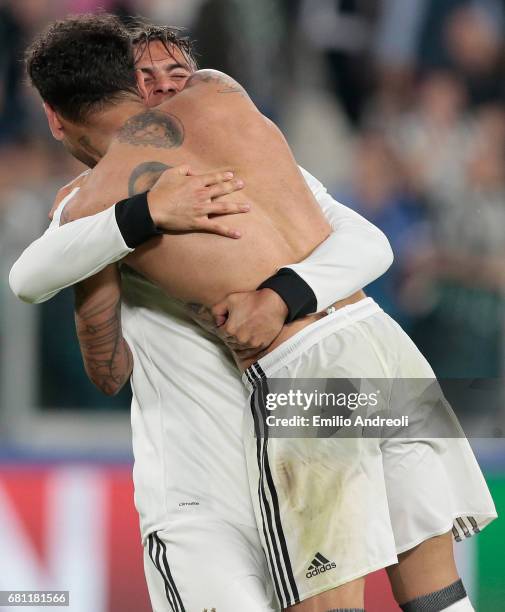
(95, 139)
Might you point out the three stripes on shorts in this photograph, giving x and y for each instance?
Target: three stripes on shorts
(158, 554)
(464, 526)
(277, 551)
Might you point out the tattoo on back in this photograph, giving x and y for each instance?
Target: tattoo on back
(227, 84)
(153, 128)
(144, 176)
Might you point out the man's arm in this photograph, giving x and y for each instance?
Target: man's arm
(72, 252)
(66, 255)
(355, 254)
(107, 357)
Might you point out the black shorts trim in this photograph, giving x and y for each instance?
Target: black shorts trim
(277, 550)
(158, 554)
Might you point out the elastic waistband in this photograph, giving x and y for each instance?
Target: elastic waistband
(307, 337)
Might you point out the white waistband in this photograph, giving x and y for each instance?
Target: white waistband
(306, 338)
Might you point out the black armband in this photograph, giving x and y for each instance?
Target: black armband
(298, 295)
(134, 220)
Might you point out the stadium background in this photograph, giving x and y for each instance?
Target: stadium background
(398, 107)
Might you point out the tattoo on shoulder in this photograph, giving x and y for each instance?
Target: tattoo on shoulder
(225, 83)
(153, 128)
(144, 176)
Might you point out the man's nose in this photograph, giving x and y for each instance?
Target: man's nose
(165, 85)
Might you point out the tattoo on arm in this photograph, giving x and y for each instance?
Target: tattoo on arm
(107, 357)
(144, 176)
(141, 179)
(153, 128)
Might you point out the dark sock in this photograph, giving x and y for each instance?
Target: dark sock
(437, 601)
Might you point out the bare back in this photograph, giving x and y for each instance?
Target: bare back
(213, 124)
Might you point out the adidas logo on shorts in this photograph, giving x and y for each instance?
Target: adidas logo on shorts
(319, 565)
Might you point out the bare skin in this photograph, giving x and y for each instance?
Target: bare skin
(424, 569)
(350, 595)
(248, 322)
(107, 357)
(200, 127)
(260, 314)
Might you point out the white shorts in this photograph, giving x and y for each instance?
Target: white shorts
(200, 565)
(330, 510)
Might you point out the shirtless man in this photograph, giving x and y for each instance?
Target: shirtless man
(118, 133)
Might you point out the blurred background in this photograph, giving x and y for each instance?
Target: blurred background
(398, 107)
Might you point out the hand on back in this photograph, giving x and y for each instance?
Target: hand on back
(181, 201)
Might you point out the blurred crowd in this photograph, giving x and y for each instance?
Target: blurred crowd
(398, 106)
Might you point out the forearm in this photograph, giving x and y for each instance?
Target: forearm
(80, 248)
(106, 355)
(355, 254)
(73, 252)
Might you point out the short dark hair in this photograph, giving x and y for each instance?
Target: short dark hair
(81, 64)
(143, 33)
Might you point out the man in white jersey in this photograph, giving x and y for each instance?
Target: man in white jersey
(194, 508)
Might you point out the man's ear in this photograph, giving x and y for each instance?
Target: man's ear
(144, 94)
(54, 122)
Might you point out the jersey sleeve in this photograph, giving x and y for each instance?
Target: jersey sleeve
(355, 254)
(66, 255)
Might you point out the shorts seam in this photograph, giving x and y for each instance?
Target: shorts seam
(447, 529)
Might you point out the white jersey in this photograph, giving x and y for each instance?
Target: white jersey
(187, 395)
(186, 414)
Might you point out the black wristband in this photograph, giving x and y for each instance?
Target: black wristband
(134, 220)
(298, 295)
